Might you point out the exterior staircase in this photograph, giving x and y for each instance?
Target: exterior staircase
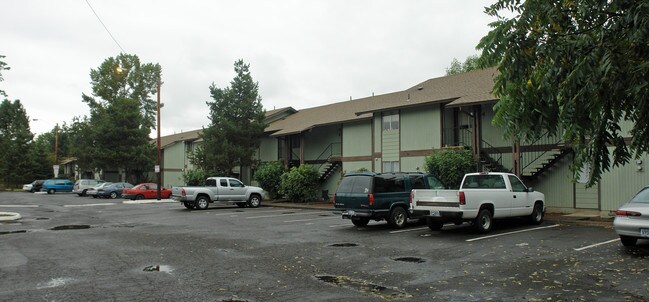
(328, 169)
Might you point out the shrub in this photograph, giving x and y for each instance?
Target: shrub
(195, 177)
(299, 184)
(450, 165)
(268, 176)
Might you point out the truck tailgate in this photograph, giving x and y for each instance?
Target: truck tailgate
(435, 199)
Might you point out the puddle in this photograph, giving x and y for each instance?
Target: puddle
(159, 268)
(70, 227)
(13, 232)
(343, 244)
(324, 215)
(410, 259)
(365, 287)
(42, 218)
(288, 213)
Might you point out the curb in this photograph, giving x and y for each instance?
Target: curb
(144, 201)
(319, 206)
(9, 216)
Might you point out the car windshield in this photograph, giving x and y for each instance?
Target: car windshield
(642, 196)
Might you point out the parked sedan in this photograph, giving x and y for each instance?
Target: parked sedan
(145, 191)
(93, 190)
(113, 190)
(34, 186)
(632, 219)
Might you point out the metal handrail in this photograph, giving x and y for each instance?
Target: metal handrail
(545, 139)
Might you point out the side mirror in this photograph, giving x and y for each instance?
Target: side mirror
(530, 189)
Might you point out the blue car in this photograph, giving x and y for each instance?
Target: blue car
(52, 186)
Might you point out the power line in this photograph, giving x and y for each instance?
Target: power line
(106, 28)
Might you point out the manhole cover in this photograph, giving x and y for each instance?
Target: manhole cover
(410, 259)
(344, 244)
(70, 227)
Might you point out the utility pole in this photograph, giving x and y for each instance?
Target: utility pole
(158, 172)
(56, 151)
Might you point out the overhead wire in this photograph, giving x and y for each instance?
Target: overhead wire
(106, 28)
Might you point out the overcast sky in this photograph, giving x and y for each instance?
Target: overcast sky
(302, 53)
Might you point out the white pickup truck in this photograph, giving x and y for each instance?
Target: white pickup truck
(481, 198)
(218, 189)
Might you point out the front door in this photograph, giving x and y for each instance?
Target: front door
(237, 190)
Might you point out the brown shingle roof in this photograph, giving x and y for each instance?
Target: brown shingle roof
(165, 141)
(461, 89)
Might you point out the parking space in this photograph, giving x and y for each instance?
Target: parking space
(252, 252)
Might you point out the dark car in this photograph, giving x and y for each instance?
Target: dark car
(52, 186)
(113, 190)
(365, 196)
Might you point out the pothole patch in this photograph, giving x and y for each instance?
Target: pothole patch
(13, 232)
(388, 293)
(410, 259)
(346, 244)
(70, 227)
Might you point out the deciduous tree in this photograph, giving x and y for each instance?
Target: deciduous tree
(579, 66)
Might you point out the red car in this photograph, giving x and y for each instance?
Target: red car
(145, 190)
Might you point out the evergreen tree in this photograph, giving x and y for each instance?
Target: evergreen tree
(236, 127)
(15, 163)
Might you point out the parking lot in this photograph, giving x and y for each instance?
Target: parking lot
(70, 248)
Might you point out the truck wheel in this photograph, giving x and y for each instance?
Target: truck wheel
(241, 204)
(434, 225)
(202, 203)
(360, 222)
(254, 201)
(398, 218)
(189, 205)
(482, 223)
(537, 214)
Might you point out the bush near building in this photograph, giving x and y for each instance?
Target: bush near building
(450, 165)
(299, 184)
(268, 176)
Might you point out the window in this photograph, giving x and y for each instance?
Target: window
(236, 184)
(223, 182)
(417, 182)
(210, 183)
(391, 166)
(434, 183)
(355, 184)
(391, 121)
(153, 187)
(389, 183)
(517, 185)
(484, 182)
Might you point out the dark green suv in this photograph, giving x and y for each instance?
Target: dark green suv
(365, 196)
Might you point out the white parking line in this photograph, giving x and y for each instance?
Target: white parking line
(90, 204)
(19, 206)
(302, 220)
(596, 244)
(243, 212)
(340, 225)
(408, 230)
(515, 232)
(280, 215)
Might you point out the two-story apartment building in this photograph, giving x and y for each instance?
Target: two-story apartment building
(396, 131)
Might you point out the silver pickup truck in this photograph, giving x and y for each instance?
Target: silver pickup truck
(218, 189)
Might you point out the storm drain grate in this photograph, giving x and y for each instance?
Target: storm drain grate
(70, 227)
(388, 293)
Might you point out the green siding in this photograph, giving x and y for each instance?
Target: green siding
(267, 149)
(318, 139)
(586, 198)
(377, 132)
(356, 165)
(557, 185)
(413, 164)
(490, 133)
(420, 128)
(357, 139)
(621, 183)
(390, 145)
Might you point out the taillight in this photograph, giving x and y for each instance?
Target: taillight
(182, 192)
(462, 198)
(627, 213)
(411, 193)
(371, 198)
